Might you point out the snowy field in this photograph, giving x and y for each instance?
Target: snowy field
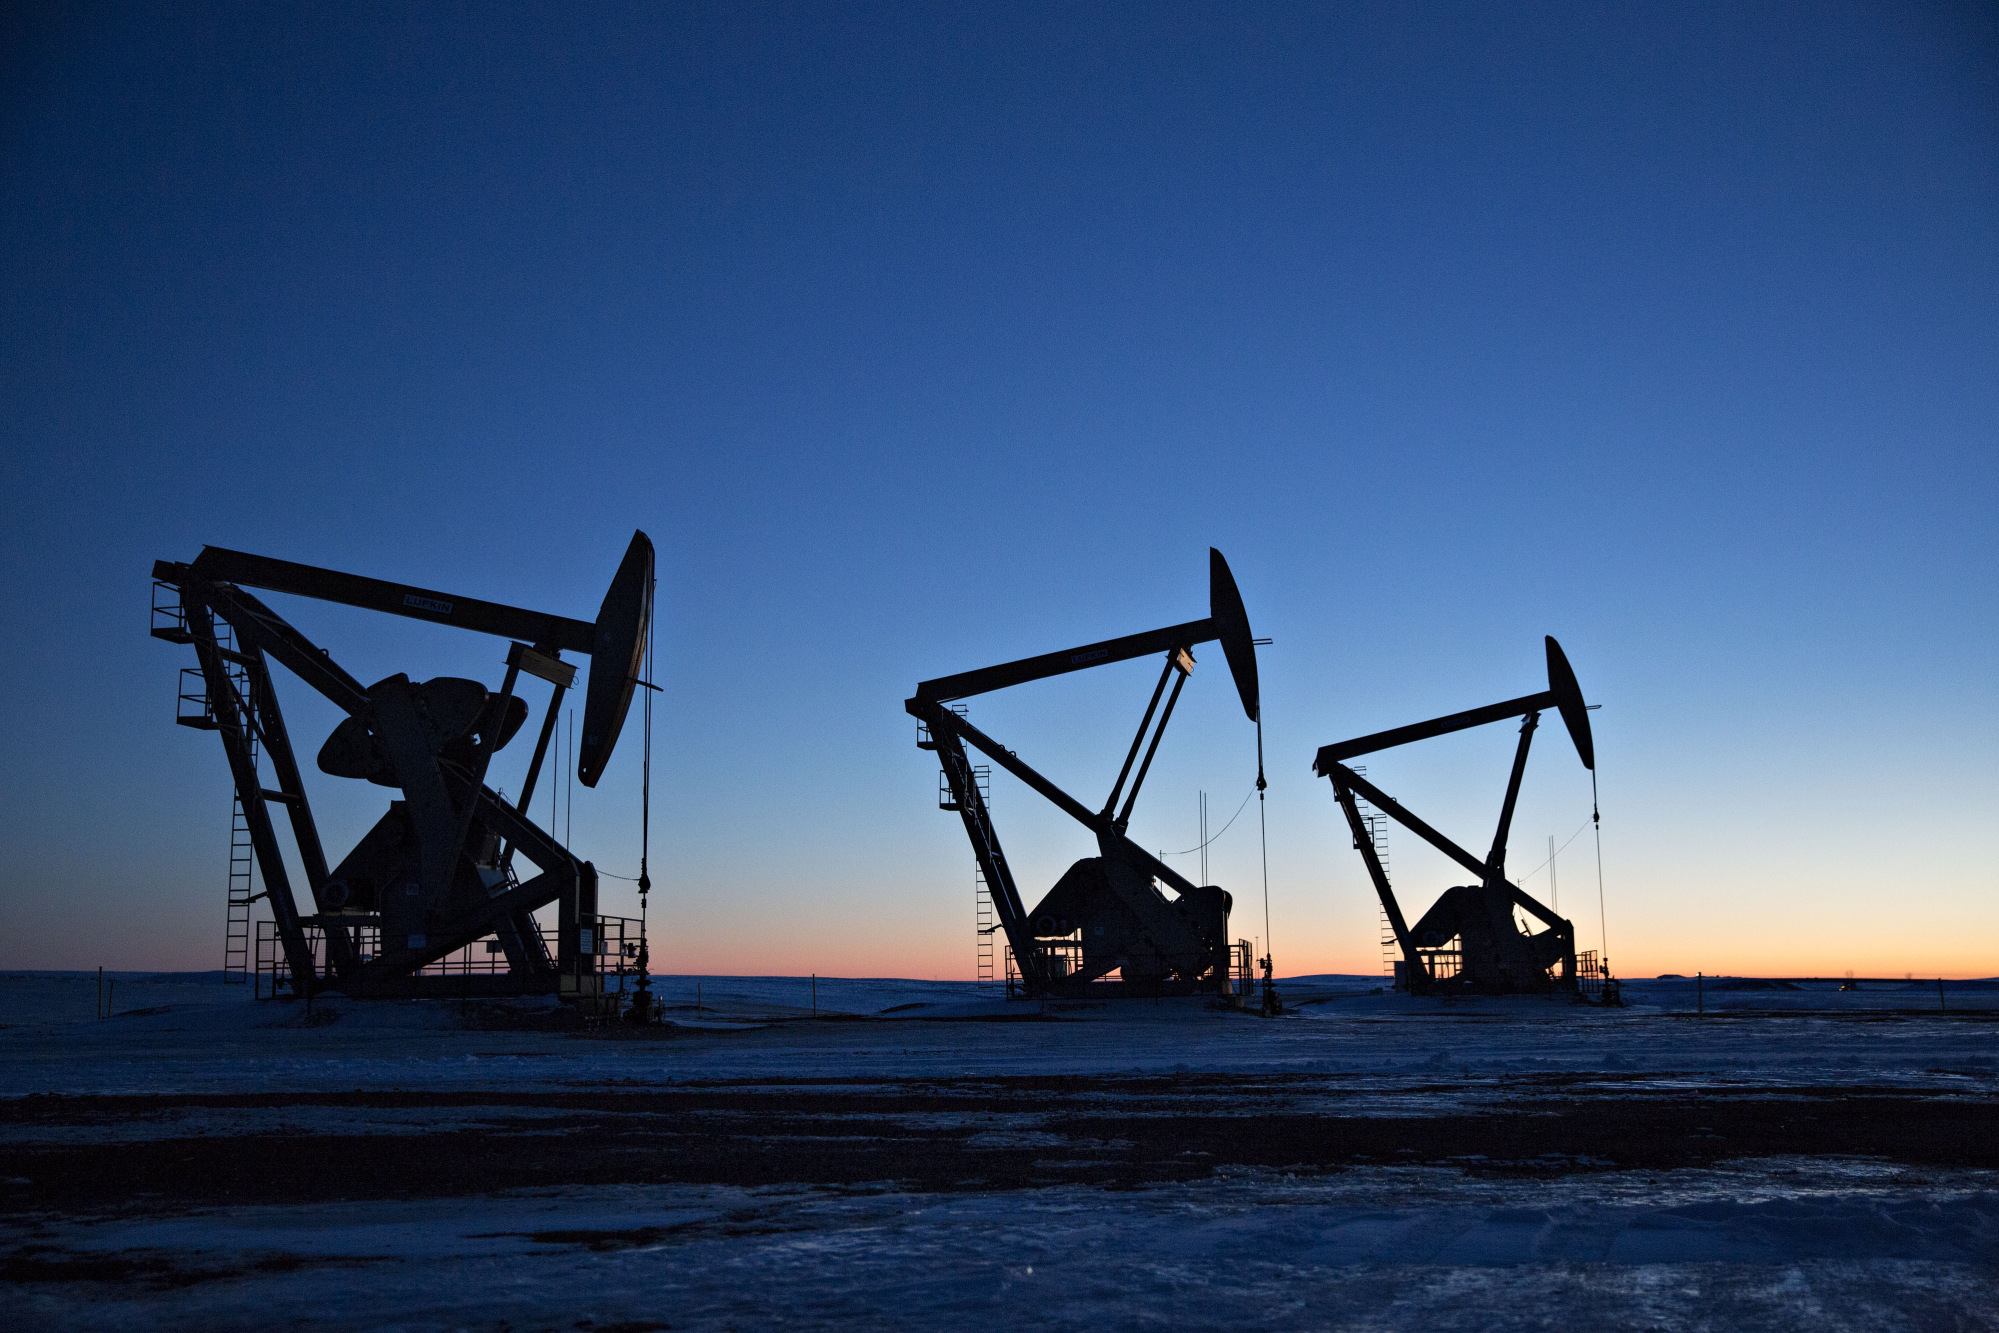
(915, 1154)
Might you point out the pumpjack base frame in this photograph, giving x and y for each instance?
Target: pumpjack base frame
(1234, 985)
(478, 986)
(1130, 990)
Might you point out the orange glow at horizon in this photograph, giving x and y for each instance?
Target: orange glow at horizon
(934, 964)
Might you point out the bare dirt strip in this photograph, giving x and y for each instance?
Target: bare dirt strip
(982, 1134)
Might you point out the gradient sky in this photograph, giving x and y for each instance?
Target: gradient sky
(921, 338)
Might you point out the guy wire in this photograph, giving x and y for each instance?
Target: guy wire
(645, 781)
(1262, 831)
(1558, 851)
(645, 806)
(1603, 926)
(1218, 832)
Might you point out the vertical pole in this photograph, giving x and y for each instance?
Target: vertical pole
(1204, 837)
(1942, 1008)
(815, 995)
(1700, 999)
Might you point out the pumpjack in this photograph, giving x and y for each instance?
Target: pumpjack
(436, 872)
(1107, 913)
(1470, 940)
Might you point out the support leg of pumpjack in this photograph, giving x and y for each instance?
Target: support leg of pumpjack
(234, 721)
(522, 942)
(342, 952)
(986, 849)
(1414, 969)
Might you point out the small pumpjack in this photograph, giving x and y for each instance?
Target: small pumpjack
(1107, 913)
(1470, 941)
(435, 873)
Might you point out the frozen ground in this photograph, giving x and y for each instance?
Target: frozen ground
(917, 1155)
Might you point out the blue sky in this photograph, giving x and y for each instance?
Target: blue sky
(920, 338)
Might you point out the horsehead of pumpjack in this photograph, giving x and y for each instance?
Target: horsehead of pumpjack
(1109, 912)
(436, 871)
(1493, 954)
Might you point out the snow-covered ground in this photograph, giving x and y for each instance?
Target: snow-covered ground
(917, 1154)
(200, 1036)
(1832, 1249)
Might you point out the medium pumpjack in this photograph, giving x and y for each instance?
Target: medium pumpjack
(1107, 912)
(1470, 941)
(435, 873)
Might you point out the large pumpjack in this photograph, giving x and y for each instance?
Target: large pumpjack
(1470, 940)
(436, 872)
(1108, 913)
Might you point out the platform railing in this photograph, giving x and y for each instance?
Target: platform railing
(1066, 959)
(612, 946)
(1591, 974)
